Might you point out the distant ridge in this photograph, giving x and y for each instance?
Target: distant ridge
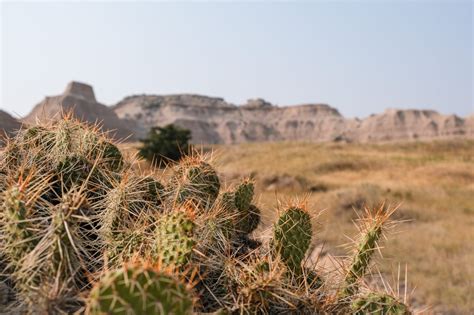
(213, 120)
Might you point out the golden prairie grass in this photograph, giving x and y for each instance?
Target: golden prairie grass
(432, 181)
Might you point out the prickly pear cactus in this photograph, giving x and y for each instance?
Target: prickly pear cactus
(63, 251)
(54, 180)
(17, 229)
(249, 221)
(379, 304)
(243, 195)
(248, 215)
(139, 290)
(111, 156)
(194, 180)
(372, 228)
(127, 203)
(154, 191)
(72, 208)
(174, 238)
(292, 237)
(73, 170)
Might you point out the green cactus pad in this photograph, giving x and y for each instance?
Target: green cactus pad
(112, 156)
(195, 181)
(140, 291)
(243, 195)
(248, 220)
(124, 209)
(361, 260)
(38, 136)
(174, 239)
(154, 191)
(227, 201)
(17, 230)
(292, 237)
(379, 304)
(74, 169)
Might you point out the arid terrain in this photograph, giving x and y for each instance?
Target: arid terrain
(433, 182)
(212, 120)
(342, 166)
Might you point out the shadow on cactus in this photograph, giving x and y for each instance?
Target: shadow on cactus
(74, 212)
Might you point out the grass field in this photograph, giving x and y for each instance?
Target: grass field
(432, 182)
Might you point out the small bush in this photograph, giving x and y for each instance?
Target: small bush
(164, 144)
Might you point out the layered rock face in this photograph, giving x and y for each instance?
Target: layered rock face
(470, 125)
(79, 99)
(396, 124)
(212, 120)
(8, 124)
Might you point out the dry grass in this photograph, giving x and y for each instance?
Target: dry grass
(433, 182)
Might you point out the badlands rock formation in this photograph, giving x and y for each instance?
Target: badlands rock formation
(8, 124)
(398, 124)
(470, 126)
(79, 99)
(213, 120)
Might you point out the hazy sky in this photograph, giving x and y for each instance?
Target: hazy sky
(360, 57)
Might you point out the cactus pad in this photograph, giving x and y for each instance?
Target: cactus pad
(379, 304)
(292, 237)
(248, 220)
(243, 195)
(195, 181)
(18, 233)
(174, 239)
(112, 156)
(365, 250)
(139, 290)
(154, 191)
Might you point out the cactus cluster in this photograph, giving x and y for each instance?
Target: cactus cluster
(83, 230)
(292, 237)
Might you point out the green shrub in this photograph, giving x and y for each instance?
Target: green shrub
(165, 143)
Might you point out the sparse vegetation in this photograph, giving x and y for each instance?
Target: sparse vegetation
(433, 182)
(165, 144)
(82, 229)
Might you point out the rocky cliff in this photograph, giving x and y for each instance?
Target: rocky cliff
(8, 124)
(79, 99)
(213, 120)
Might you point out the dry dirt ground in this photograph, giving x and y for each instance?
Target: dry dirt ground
(432, 182)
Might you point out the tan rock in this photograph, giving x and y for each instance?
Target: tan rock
(79, 99)
(8, 124)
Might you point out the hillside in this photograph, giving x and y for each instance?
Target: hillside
(8, 124)
(80, 99)
(433, 182)
(212, 120)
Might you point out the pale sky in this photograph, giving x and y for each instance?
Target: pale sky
(358, 56)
